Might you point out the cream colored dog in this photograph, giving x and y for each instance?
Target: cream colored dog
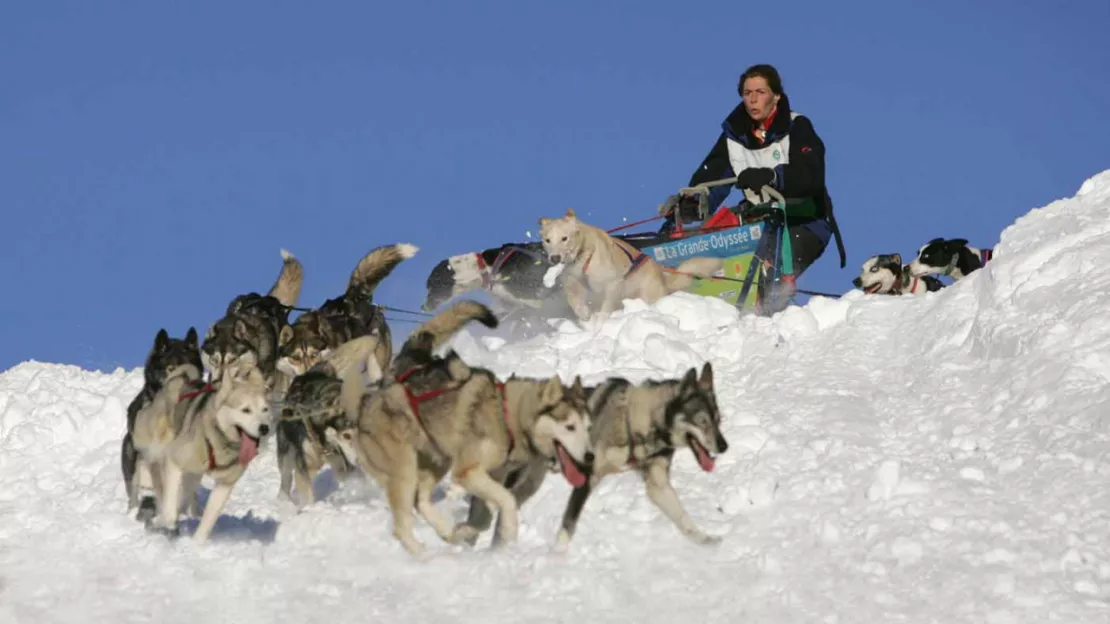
(597, 265)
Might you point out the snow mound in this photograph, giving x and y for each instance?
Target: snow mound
(919, 459)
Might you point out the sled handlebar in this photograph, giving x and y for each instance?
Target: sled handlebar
(703, 188)
(701, 191)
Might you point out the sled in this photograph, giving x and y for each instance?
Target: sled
(736, 235)
(722, 236)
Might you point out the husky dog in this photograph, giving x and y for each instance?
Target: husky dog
(884, 274)
(437, 414)
(599, 265)
(314, 430)
(191, 429)
(163, 361)
(350, 315)
(639, 427)
(252, 324)
(512, 274)
(952, 257)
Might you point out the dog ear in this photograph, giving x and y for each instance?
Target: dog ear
(552, 391)
(957, 242)
(241, 329)
(576, 389)
(191, 337)
(690, 380)
(706, 381)
(161, 340)
(285, 336)
(896, 258)
(544, 221)
(571, 216)
(244, 365)
(935, 241)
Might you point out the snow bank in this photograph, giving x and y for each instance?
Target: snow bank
(919, 459)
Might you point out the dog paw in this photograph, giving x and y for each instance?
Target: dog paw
(463, 534)
(703, 539)
(146, 510)
(170, 532)
(562, 542)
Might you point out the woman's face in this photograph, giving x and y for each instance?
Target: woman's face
(759, 100)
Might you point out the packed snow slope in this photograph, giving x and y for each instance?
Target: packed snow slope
(917, 459)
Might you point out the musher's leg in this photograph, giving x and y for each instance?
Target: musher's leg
(807, 243)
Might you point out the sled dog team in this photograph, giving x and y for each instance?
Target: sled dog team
(329, 388)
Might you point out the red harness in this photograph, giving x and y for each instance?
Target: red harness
(202, 389)
(416, 399)
(489, 271)
(185, 396)
(637, 261)
(913, 285)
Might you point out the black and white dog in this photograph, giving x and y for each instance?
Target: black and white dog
(513, 273)
(884, 275)
(952, 257)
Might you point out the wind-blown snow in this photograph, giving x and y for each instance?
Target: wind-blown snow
(917, 459)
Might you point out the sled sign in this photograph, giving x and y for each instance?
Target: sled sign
(736, 246)
(735, 241)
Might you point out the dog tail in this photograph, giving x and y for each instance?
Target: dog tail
(352, 390)
(352, 354)
(287, 288)
(440, 328)
(129, 458)
(682, 277)
(375, 267)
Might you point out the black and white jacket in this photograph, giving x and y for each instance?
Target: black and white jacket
(790, 147)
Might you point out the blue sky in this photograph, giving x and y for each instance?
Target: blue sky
(154, 157)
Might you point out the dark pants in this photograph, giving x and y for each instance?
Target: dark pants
(807, 243)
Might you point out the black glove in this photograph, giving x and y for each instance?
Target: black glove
(755, 179)
(687, 204)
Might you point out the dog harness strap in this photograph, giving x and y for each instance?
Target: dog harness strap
(631, 442)
(484, 271)
(185, 396)
(212, 465)
(505, 415)
(636, 260)
(637, 263)
(405, 375)
(499, 261)
(416, 399)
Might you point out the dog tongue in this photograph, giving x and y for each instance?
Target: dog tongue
(704, 460)
(248, 448)
(573, 475)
